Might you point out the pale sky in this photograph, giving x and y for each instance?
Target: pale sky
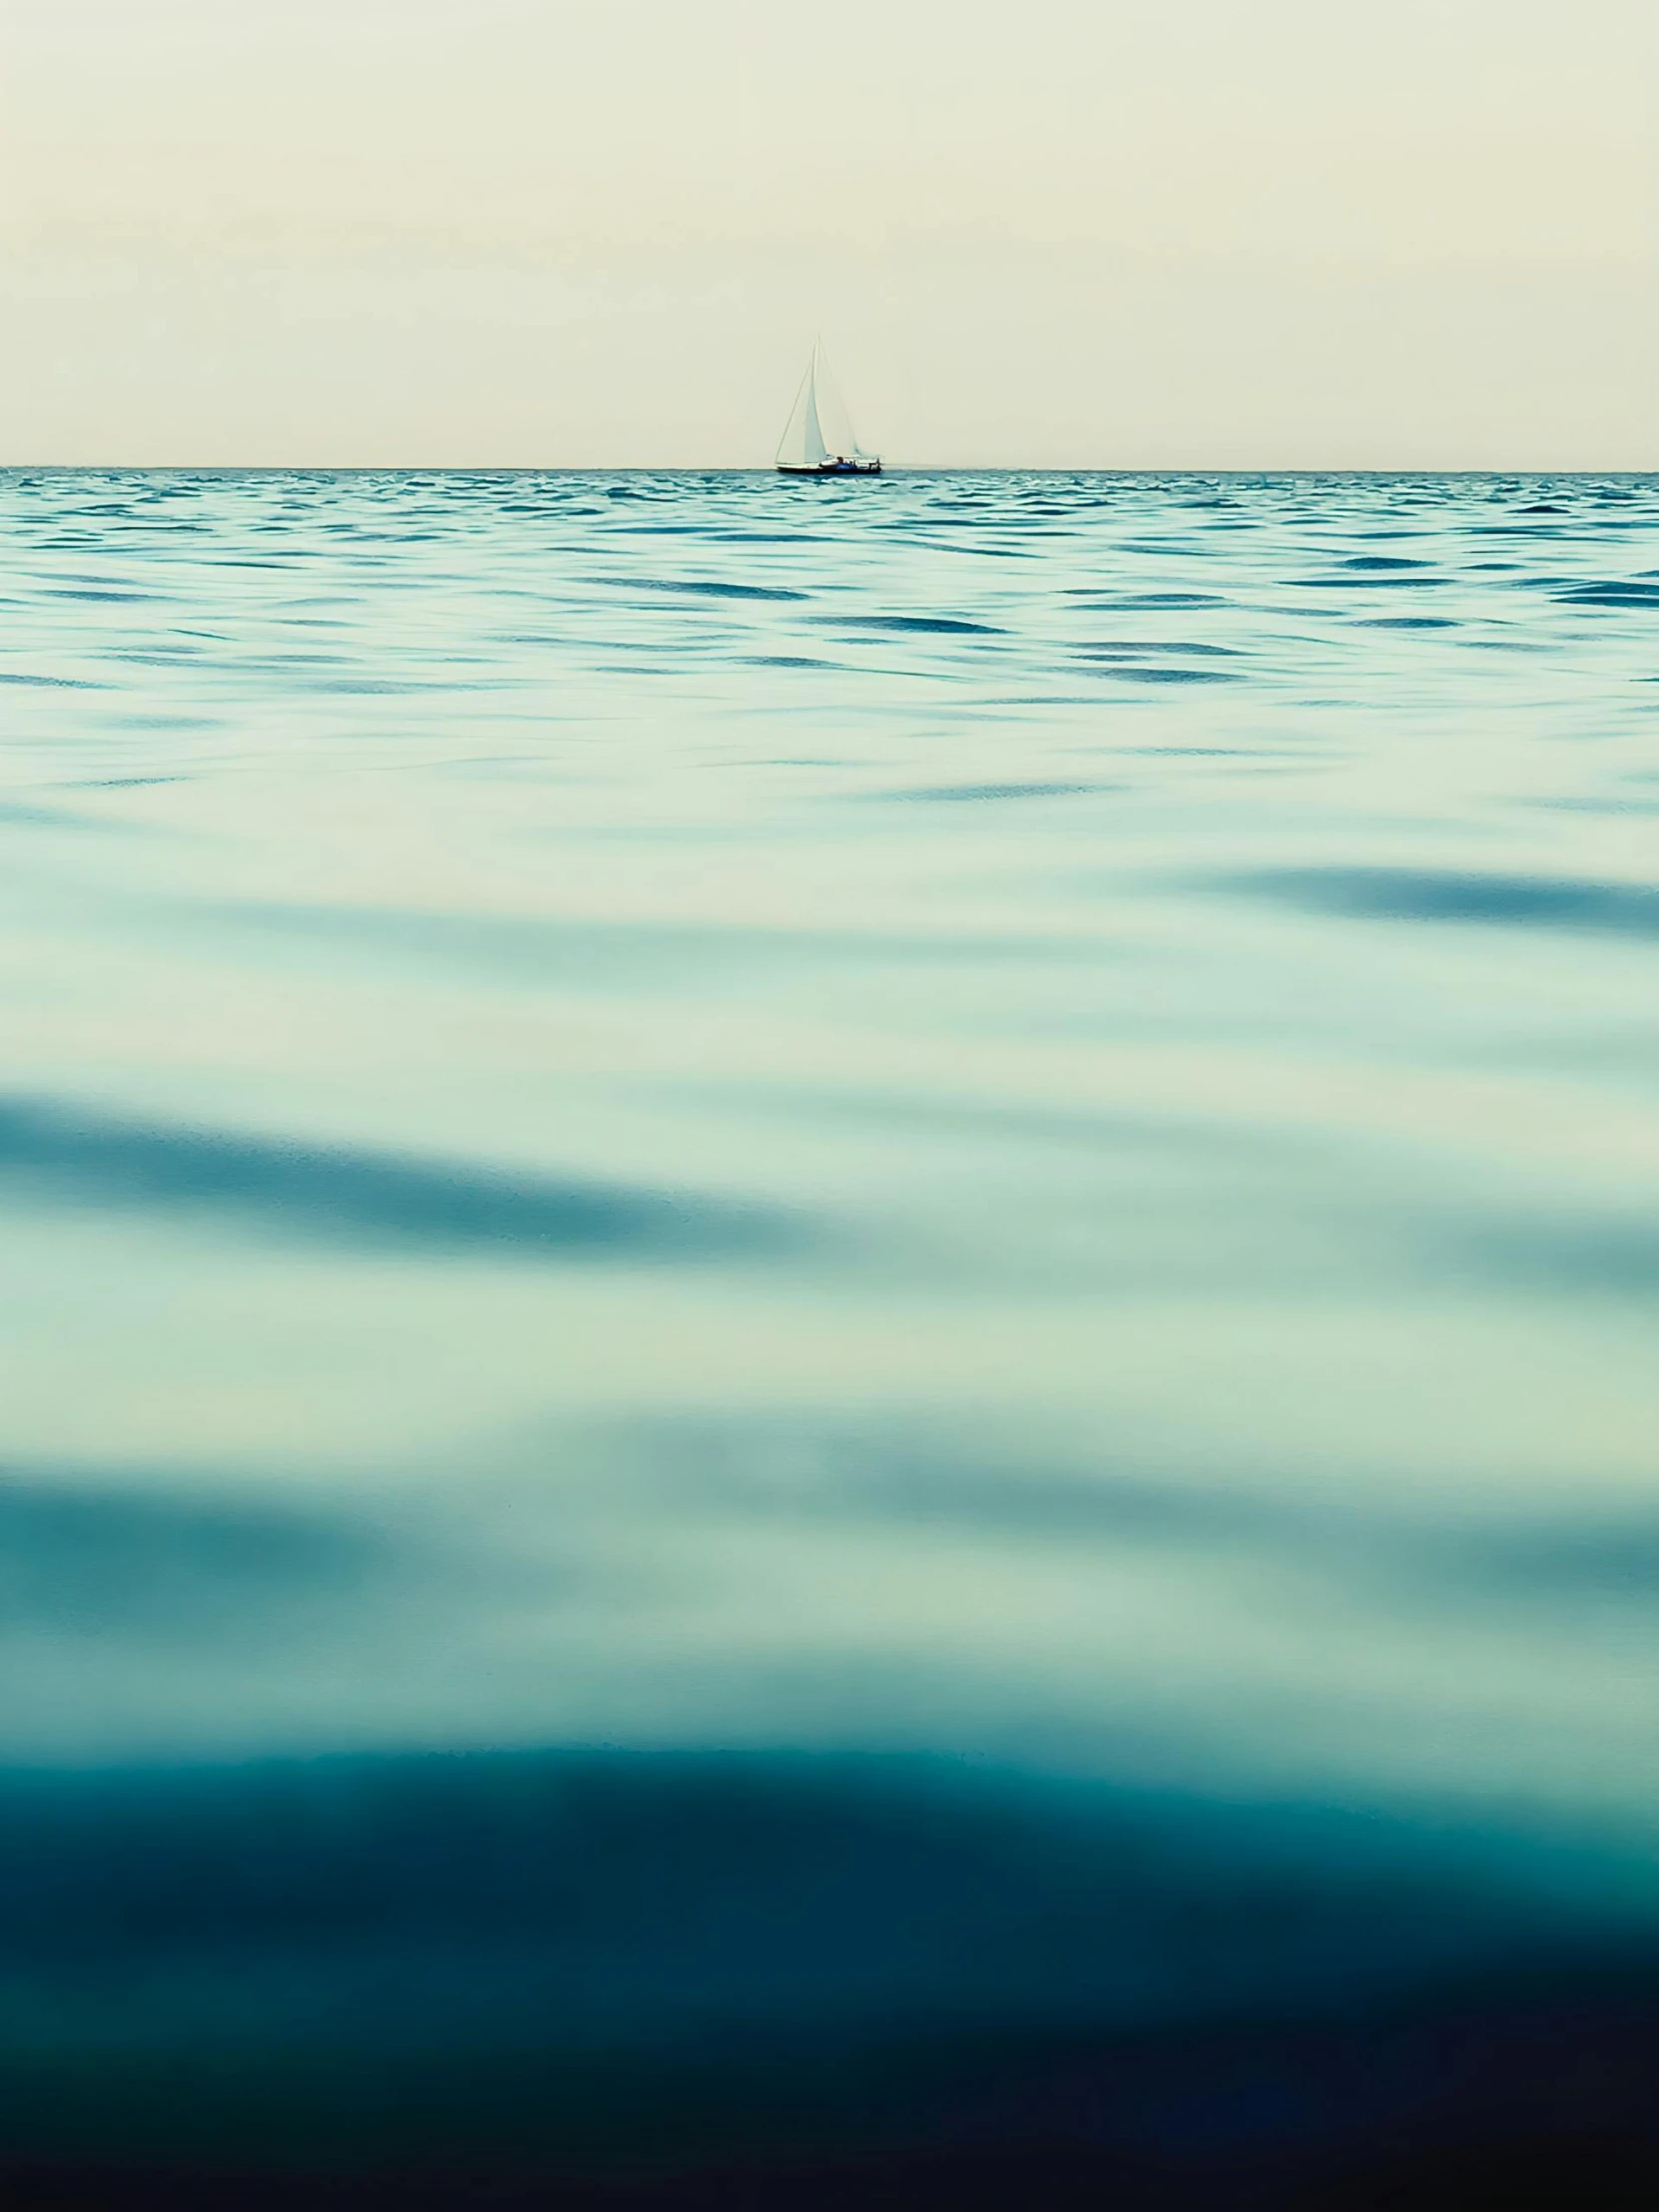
(1101, 232)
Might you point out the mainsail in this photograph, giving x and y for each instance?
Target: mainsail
(819, 427)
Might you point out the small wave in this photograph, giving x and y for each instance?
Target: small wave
(83, 1553)
(52, 683)
(113, 598)
(947, 626)
(374, 1200)
(699, 587)
(1163, 648)
(1430, 579)
(974, 792)
(1139, 671)
(1152, 601)
(1632, 593)
(1428, 894)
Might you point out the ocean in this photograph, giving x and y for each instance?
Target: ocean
(823, 1265)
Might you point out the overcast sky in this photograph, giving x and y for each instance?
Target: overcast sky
(1136, 232)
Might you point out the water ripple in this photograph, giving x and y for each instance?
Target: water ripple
(376, 1200)
(422, 888)
(1427, 894)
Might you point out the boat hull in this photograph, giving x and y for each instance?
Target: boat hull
(829, 468)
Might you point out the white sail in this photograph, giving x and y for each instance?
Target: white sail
(835, 423)
(816, 443)
(802, 445)
(819, 427)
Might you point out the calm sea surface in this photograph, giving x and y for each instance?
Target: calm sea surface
(993, 1115)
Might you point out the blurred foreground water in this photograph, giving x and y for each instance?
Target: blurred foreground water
(813, 1288)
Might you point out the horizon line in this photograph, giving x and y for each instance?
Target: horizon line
(902, 468)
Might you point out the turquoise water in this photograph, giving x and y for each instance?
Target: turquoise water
(991, 1113)
(932, 1206)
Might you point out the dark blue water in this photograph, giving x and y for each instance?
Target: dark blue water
(955, 1177)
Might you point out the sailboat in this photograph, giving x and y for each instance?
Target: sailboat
(820, 440)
